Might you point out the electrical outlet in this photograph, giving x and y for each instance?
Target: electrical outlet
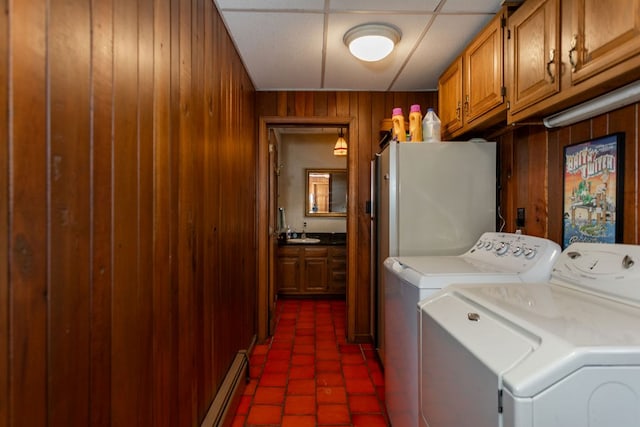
(520, 217)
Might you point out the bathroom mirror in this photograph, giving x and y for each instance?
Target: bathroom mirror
(326, 192)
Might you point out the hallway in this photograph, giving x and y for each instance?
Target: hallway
(307, 375)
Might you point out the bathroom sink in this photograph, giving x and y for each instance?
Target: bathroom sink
(305, 241)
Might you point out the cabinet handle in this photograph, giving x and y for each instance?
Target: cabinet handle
(574, 43)
(552, 57)
(466, 104)
(458, 110)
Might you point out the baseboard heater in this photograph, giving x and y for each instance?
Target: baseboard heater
(223, 407)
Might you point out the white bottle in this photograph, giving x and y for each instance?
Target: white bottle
(431, 127)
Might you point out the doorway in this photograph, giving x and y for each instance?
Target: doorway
(267, 218)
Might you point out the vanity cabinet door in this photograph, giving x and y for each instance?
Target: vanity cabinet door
(315, 269)
(288, 274)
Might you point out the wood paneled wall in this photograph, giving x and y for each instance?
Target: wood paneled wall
(531, 174)
(367, 109)
(127, 220)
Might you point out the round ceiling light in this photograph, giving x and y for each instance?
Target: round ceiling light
(372, 42)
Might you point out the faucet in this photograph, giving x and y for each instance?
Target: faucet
(304, 230)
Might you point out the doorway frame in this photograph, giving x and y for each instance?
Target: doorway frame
(264, 261)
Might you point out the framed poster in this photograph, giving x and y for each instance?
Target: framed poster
(592, 191)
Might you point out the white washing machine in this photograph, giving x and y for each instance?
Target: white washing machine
(495, 257)
(565, 353)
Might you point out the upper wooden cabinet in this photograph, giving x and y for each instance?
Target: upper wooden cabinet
(534, 51)
(471, 91)
(560, 53)
(450, 99)
(603, 34)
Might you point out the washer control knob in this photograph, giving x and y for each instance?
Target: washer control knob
(529, 253)
(502, 248)
(517, 251)
(488, 245)
(479, 244)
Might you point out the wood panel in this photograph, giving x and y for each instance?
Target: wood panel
(116, 303)
(68, 213)
(164, 317)
(101, 219)
(28, 209)
(538, 168)
(4, 217)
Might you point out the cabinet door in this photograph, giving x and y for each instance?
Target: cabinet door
(288, 274)
(316, 266)
(605, 33)
(483, 71)
(450, 99)
(315, 274)
(534, 53)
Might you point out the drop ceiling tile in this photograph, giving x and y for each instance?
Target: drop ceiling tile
(478, 6)
(385, 5)
(280, 50)
(440, 46)
(271, 4)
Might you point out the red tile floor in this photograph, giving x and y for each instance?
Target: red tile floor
(308, 375)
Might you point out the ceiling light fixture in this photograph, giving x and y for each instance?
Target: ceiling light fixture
(372, 42)
(340, 149)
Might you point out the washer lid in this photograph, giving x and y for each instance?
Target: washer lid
(574, 329)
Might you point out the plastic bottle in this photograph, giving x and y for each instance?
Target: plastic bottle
(415, 124)
(399, 131)
(431, 127)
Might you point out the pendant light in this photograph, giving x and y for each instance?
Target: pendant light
(340, 149)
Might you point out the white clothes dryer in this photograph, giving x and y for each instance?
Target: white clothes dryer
(495, 257)
(564, 353)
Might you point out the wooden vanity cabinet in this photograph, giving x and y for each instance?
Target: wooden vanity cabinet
(311, 270)
(560, 53)
(471, 91)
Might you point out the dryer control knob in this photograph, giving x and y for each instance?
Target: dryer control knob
(529, 253)
(517, 251)
(488, 245)
(502, 248)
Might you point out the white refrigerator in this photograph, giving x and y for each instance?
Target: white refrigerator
(431, 199)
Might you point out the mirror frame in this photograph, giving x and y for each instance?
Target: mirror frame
(306, 193)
